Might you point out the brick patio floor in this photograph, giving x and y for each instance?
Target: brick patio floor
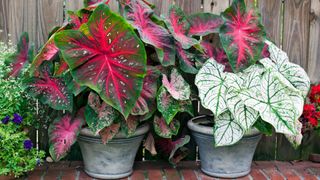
(185, 171)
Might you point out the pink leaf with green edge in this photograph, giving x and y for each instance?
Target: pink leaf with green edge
(47, 53)
(210, 51)
(77, 20)
(139, 15)
(165, 130)
(99, 114)
(179, 26)
(173, 149)
(51, 91)
(22, 57)
(94, 2)
(187, 60)
(109, 132)
(177, 86)
(130, 125)
(147, 101)
(204, 23)
(63, 134)
(242, 35)
(112, 63)
(169, 107)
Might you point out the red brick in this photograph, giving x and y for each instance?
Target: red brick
(155, 174)
(188, 174)
(203, 176)
(35, 175)
(289, 174)
(305, 174)
(84, 176)
(52, 174)
(137, 175)
(172, 174)
(247, 177)
(68, 174)
(273, 173)
(256, 174)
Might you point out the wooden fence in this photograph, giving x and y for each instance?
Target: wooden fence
(293, 25)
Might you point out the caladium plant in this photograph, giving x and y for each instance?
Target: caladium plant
(273, 90)
(119, 70)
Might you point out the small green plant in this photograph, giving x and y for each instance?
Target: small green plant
(17, 155)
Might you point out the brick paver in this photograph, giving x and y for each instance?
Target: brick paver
(261, 170)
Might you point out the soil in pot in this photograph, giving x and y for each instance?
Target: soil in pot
(225, 162)
(113, 160)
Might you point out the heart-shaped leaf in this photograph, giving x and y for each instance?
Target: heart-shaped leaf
(146, 103)
(218, 54)
(292, 73)
(226, 130)
(109, 58)
(98, 114)
(204, 23)
(210, 81)
(109, 132)
(51, 91)
(149, 144)
(165, 130)
(242, 35)
(139, 15)
(271, 98)
(169, 107)
(179, 26)
(177, 87)
(244, 116)
(23, 56)
(63, 133)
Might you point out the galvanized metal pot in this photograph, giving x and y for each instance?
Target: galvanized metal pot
(225, 162)
(113, 160)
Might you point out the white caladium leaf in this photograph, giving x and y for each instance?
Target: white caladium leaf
(226, 130)
(298, 103)
(245, 116)
(296, 140)
(272, 101)
(211, 84)
(295, 74)
(177, 87)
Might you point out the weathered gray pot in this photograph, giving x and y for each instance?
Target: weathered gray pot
(113, 160)
(225, 162)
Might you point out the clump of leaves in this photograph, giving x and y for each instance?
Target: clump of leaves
(17, 154)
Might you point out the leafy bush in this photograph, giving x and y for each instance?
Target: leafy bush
(17, 156)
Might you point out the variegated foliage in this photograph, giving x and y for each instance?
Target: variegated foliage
(273, 90)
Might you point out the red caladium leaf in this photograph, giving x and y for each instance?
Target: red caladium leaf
(242, 35)
(139, 15)
(204, 23)
(109, 58)
(51, 91)
(165, 130)
(63, 133)
(22, 57)
(218, 54)
(76, 21)
(47, 53)
(93, 2)
(187, 60)
(109, 132)
(146, 103)
(177, 86)
(179, 26)
(99, 114)
(129, 126)
(173, 149)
